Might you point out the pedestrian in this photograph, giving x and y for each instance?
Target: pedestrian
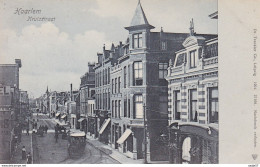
(27, 131)
(35, 125)
(56, 137)
(46, 128)
(29, 158)
(23, 153)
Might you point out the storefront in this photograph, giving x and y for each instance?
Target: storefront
(193, 144)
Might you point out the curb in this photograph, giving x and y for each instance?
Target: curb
(102, 151)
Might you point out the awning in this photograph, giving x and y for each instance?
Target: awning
(104, 126)
(81, 119)
(124, 136)
(57, 114)
(63, 116)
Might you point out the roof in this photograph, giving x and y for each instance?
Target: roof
(79, 134)
(139, 18)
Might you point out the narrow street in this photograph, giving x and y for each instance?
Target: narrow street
(47, 151)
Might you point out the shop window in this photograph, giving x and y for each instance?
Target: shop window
(213, 105)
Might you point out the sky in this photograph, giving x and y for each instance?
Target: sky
(57, 53)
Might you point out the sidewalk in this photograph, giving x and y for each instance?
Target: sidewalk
(25, 141)
(113, 153)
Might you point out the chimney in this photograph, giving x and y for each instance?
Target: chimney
(18, 62)
(71, 95)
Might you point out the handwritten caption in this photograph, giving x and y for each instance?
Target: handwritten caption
(33, 15)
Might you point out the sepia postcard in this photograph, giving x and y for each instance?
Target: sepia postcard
(129, 82)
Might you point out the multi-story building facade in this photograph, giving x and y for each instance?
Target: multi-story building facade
(91, 118)
(9, 108)
(139, 89)
(193, 100)
(87, 91)
(24, 103)
(103, 90)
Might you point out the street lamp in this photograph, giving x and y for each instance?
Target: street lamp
(173, 144)
(145, 135)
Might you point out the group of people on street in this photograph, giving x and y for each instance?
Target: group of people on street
(44, 128)
(28, 157)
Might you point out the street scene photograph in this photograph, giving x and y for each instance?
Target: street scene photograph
(109, 82)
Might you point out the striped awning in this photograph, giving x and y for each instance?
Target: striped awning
(63, 116)
(125, 135)
(81, 119)
(104, 126)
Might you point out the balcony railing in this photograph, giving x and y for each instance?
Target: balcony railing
(209, 61)
(176, 69)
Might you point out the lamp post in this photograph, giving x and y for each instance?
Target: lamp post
(145, 135)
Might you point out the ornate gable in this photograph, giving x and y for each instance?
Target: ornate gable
(193, 40)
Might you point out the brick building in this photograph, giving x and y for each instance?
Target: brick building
(138, 88)
(103, 91)
(9, 108)
(87, 91)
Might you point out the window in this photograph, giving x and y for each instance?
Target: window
(112, 86)
(177, 105)
(193, 105)
(213, 105)
(164, 45)
(138, 100)
(119, 108)
(125, 107)
(193, 59)
(108, 97)
(113, 109)
(115, 84)
(163, 104)
(125, 77)
(129, 109)
(128, 75)
(163, 70)
(119, 84)
(138, 73)
(116, 109)
(6, 123)
(103, 76)
(138, 41)
(108, 74)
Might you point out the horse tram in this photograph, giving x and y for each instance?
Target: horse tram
(76, 144)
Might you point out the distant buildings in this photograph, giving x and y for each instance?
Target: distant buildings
(87, 94)
(9, 107)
